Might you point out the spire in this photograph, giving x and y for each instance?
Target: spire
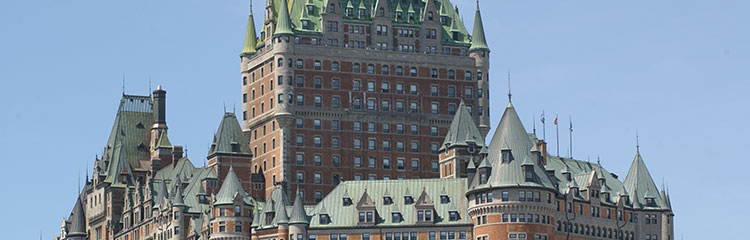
(77, 221)
(281, 215)
(298, 210)
(256, 219)
(162, 193)
(229, 188)
(509, 93)
(639, 183)
(229, 137)
(283, 21)
(463, 130)
(250, 38)
(478, 41)
(178, 201)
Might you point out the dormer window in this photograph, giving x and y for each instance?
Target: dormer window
(381, 12)
(399, 15)
(395, 217)
(325, 219)
(235, 147)
(332, 8)
(347, 201)
(444, 199)
(411, 16)
(529, 173)
(349, 12)
(366, 217)
(444, 20)
(650, 202)
(310, 9)
(387, 200)
(269, 218)
(424, 215)
(305, 24)
(506, 156)
(482, 178)
(362, 13)
(453, 216)
(408, 200)
(429, 16)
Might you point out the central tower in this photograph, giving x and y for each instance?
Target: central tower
(341, 90)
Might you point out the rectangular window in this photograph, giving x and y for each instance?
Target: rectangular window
(357, 162)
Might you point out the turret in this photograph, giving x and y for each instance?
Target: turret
(248, 48)
(298, 221)
(480, 51)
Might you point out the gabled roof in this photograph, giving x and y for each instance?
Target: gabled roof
(639, 183)
(228, 134)
(346, 216)
(511, 135)
(462, 131)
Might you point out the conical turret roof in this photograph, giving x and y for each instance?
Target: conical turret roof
(298, 210)
(639, 182)
(512, 136)
(463, 130)
(77, 220)
(283, 20)
(178, 200)
(478, 41)
(227, 136)
(229, 189)
(250, 38)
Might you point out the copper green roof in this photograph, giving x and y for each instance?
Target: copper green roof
(128, 142)
(511, 135)
(77, 221)
(298, 210)
(228, 135)
(250, 38)
(230, 188)
(346, 216)
(164, 141)
(283, 21)
(463, 130)
(640, 185)
(478, 41)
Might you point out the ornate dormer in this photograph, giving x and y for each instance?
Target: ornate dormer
(425, 208)
(366, 210)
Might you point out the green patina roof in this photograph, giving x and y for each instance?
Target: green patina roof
(230, 188)
(183, 171)
(478, 41)
(228, 134)
(283, 21)
(463, 130)
(298, 210)
(639, 183)
(128, 142)
(511, 135)
(251, 41)
(347, 216)
(297, 9)
(164, 141)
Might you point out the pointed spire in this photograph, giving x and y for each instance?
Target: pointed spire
(283, 21)
(77, 221)
(463, 131)
(162, 193)
(298, 210)
(639, 182)
(281, 215)
(229, 188)
(250, 38)
(178, 201)
(471, 165)
(256, 219)
(478, 41)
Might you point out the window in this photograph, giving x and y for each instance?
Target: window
(413, 72)
(335, 143)
(335, 102)
(434, 108)
(336, 160)
(434, 73)
(356, 68)
(413, 89)
(413, 107)
(468, 92)
(334, 124)
(415, 164)
(356, 85)
(300, 140)
(357, 143)
(435, 166)
(451, 74)
(317, 82)
(370, 86)
(400, 164)
(332, 26)
(300, 123)
(434, 90)
(399, 106)
(318, 100)
(357, 162)
(371, 144)
(317, 178)
(395, 217)
(317, 65)
(386, 145)
(370, 69)
(335, 83)
(414, 146)
(317, 159)
(300, 64)
(300, 177)
(317, 196)
(300, 82)
(385, 105)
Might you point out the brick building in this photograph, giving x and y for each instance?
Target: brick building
(356, 124)
(351, 90)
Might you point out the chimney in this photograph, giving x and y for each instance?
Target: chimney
(160, 108)
(176, 154)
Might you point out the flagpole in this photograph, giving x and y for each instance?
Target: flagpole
(557, 130)
(544, 128)
(570, 119)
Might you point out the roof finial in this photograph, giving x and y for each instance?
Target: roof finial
(509, 93)
(123, 83)
(597, 160)
(149, 84)
(637, 144)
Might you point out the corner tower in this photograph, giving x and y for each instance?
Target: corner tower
(480, 51)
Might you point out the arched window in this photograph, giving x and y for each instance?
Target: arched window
(413, 72)
(280, 62)
(429, 16)
(332, 8)
(335, 66)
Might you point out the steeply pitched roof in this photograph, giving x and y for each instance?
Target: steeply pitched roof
(250, 37)
(640, 185)
(298, 210)
(229, 134)
(128, 142)
(283, 21)
(77, 220)
(478, 41)
(511, 135)
(229, 188)
(346, 216)
(462, 131)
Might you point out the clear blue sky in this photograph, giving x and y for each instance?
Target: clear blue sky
(677, 71)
